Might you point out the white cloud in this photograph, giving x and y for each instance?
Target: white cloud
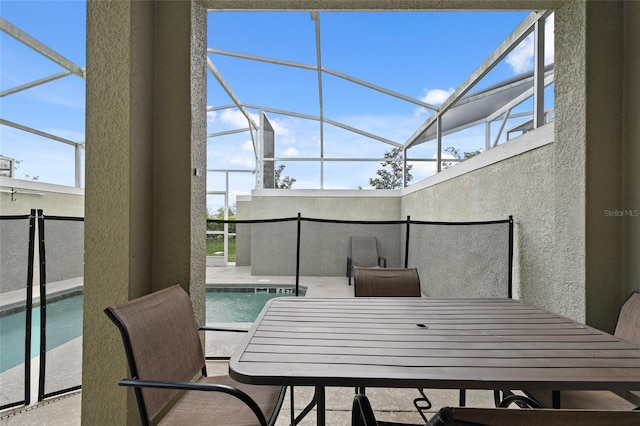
(236, 118)
(244, 161)
(211, 117)
(423, 169)
(521, 58)
(549, 41)
(290, 152)
(280, 127)
(433, 97)
(436, 96)
(247, 146)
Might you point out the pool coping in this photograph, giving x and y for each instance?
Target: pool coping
(15, 301)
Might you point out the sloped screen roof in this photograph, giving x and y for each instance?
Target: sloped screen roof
(476, 107)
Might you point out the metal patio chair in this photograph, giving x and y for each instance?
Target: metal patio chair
(168, 370)
(390, 282)
(386, 282)
(627, 328)
(364, 253)
(362, 415)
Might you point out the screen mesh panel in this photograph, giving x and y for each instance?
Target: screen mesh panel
(15, 312)
(470, 260)
(61, 315)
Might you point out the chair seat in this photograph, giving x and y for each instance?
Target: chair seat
(200, 408)
(593, 400)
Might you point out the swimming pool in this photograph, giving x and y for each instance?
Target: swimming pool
(64, 323)
(242, 303)
(64, 317)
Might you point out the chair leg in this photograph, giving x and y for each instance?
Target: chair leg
(520, 401)
(426, 404)
(293, 413)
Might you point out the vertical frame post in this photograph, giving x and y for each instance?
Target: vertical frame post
(298, 255)
(510, 274)
(406, 243)
(538, 74)
(29, 308)
(43, 305)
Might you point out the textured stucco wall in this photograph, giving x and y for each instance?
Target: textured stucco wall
(198, 141)
(179, 244)
(567, 287)
(273, 246)
(326, 204)
(631, 149)
(521, 186)
(107, 226)
(604, 64)
(145, 202)
(243, 232)
(54, 200)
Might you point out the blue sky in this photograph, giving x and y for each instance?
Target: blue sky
(423, 55)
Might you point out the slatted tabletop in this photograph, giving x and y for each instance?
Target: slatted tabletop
(431, 343)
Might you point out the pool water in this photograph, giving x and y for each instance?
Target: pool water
(64, 323)
(64, 318)
(241, 304)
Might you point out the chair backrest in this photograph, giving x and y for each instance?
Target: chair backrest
(387, 282)
(628, 326)
(536, 417)
(364, 251)
(161, 341)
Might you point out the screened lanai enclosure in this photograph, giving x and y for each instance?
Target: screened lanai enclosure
(285, 110)
(485, 107)
(283, 106)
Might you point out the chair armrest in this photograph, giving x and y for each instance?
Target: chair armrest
(362, 413)
(444, 417)
(520, 401)
(382, 262)
(231, 330)
(207, 387)
(224, 329)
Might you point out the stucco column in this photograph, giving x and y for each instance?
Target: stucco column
(588, 162)
(631, 150)
(605, 287)
(567, 292)
(145, 180)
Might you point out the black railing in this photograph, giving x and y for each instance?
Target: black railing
(16, 274)
(480, 255)
(483, 251)
(60, 259)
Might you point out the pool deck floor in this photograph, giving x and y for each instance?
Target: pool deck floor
(389, 404)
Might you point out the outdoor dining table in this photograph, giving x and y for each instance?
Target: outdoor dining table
(442, 343)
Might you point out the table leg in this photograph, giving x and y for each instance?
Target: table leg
(320, 406)
(306, 410)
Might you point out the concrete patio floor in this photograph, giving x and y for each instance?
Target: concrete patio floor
(389, 404)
